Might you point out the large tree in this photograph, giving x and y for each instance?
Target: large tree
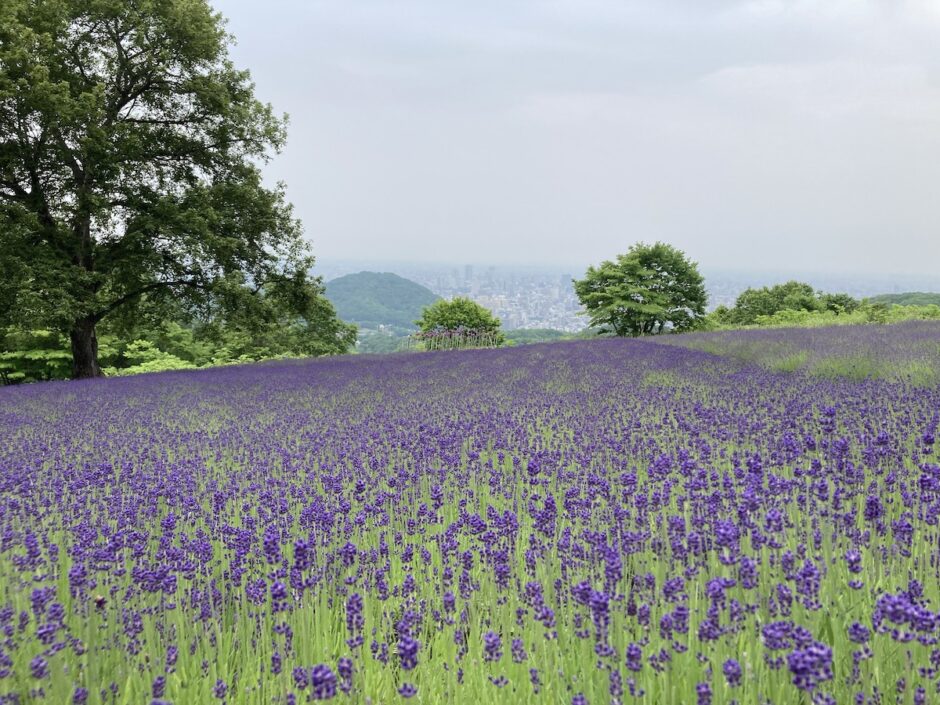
(130, 148)
(649, 289)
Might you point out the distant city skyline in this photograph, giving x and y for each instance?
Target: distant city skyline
(799, 134)
(534, 296)
(861, 280)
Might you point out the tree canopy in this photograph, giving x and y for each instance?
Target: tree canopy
(130, 153)
(753, 303)
(461, 314)
(649, 289)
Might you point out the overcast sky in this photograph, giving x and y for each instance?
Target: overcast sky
(768, 134)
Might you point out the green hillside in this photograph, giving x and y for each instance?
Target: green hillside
(525, 336)
(373, 299)
(911, 298)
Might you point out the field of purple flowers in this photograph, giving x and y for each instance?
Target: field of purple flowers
(906, 352)
(609, 521)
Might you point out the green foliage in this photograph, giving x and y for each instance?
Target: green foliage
(838, 303)
(380, 342)
(294, 321)
(650, 289)
(865, 312)
(911, 298)
(374, 300)
(877, 312)
(144, 356)
(850, 366)
(129, 169)
(387, 342)
(525, 336)
(33, 356)
(857, 367)
(661, 379)
(461, 314)
(753, 305)
(788, 363)
(182, 341)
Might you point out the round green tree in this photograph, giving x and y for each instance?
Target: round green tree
(650, 289)
(462, 322)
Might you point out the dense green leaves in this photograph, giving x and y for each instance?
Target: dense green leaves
(129, 169)
(33, 356)
(865, 313)
(458, 312)
(648, 290)
(461, 314)
(753, 304)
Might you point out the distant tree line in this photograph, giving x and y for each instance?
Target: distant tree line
(655, 289)
(753, 303)
(910, 298)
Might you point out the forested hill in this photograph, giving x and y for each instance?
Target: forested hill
(911, 298)
(371, 299)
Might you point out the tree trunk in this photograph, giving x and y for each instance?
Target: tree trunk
(84, 349)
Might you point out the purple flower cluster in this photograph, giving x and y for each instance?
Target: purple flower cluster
(602, 517)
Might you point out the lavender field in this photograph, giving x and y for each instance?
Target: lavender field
(609, 521)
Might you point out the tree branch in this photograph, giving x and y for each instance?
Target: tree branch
(116, 304)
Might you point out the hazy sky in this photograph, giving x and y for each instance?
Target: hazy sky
(798, 134)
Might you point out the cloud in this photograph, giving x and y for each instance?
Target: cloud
(743, 130)
(838, 90)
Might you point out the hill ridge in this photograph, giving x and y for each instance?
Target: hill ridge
(379, 299)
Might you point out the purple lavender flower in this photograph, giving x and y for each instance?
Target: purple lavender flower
(615, 684)
(172, 653)
(38, 667)
(158, 688)
(322, 682)
(492, 646)
(703, 693)
(344, 668)
(354, 617)
(518, 651)
(859, 633)
(408, 652)
(609, 490)
(874, 509)
(778, 635)
(634, 658)
(219, 690)
(732, 671)
(408, 690)
(810, 665)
